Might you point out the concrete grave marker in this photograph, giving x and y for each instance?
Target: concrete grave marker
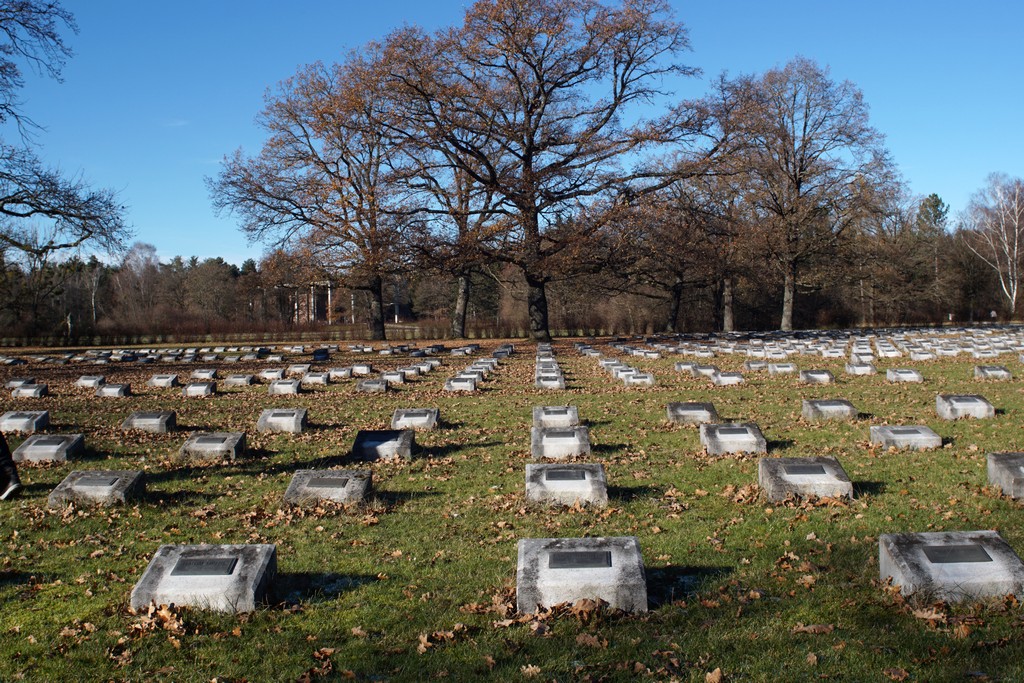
(213, 445)
(49, 448)
(271, 374)
(996, 372)
(415, 418)
(384, 444)
(222, 578)
(1006, 470)
(956, 406)
(816, 410)
(951, 565)
(692, 413)
(460, 384)
(903, 375)
(157, 422)
(555, 416)
(283, 387)
(860, 369)
(372, 386)
(163, 381)
(817, 377)
(205, 374)
(30, 391)
(723, 439)
(15, 382)
(98, 487)
(916, 438)
(727, 379)
(90, 381)
(566, 484)
(288, 420)
(335, 374)
(239, 380)
(781, 368)
(551, 571)
(26, 421)
(821, 477)
(113, 390)
(308, 487)
(559, 442)
(199, 389)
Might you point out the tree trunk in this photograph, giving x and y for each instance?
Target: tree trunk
(377, 309)
(727, 320)
(461, 301)
(788, 292)
(537, 307)
(675, 302)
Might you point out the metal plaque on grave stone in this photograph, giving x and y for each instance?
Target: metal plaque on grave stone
(282, 414)
(803, 469)
(733, 431)
(327, 483)
(560, 435)
(147, 417)
(21, 416)
(418, 412)
(211, 440)
(97, 481)
(565, 475)
(48, 441)
(556, 411)
(204, 566)
(964, 400)
(580, 559)
(831, 404)
(905, 431)
(952, 554)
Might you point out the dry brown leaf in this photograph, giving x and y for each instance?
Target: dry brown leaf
(812, 659)
(814, 629)
(591, 640)
(530, 670)
(897, 674)
(714, 676)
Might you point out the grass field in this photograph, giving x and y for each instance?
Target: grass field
(420, 583)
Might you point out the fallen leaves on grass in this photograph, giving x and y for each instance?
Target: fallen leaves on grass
(813, 629)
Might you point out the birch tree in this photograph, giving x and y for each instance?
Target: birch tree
(993, 228)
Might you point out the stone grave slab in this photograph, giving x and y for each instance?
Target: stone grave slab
(723, 439)
(336, 374)
(49, 448)
(996, 372)
(239, 380)
(288, 420)
(460, 384)
(15, 382)
(362, 369)
(708, 371)
(163, 381)
(317, 378)
(686, 366)
(550, 381)
(98, 487)
(755, 365)
(25, 421)
(309, 487)
(567, 484)
(113, 390)
(271, 374)
(159, 421)
(90, 381)
(692, 413)
(555, 416)
(817, 377)
(283, 387)
(1006, 470)
(199, 389)
(639, 379)
(213, 446)
(861, 369)
(551, 571)
(221, 578)
(559, 442)
(415, 418)
(821, 477)
(372, 386)
(204, 374)
(956, 406)
(384, 444)
(951, 565)
(30, 391)
(817, 410)
(393, 377)
(781, 368)
(903, 375)
(727, 379)
(917, 437)
(297, 369)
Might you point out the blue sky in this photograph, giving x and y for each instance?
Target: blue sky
(158, 92)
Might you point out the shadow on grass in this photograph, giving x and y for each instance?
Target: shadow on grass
(313, 588)
(779, 444)
(14, 578)
(607, 448)
(394, 499)
(443, 451)
(624, 494)
(868, 488)
(667, 584)
(865, 416)
(180, 497)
